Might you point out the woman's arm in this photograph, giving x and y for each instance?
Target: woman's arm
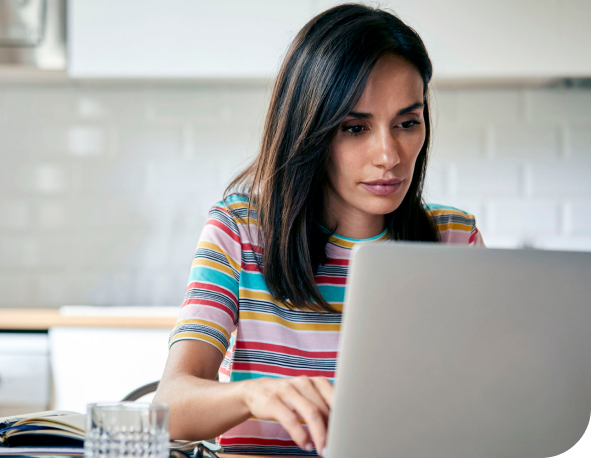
(201, 408)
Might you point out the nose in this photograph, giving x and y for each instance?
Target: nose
(386, 149)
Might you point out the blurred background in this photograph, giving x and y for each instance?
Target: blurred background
(121, 123)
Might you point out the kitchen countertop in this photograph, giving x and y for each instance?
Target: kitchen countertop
(102, 317)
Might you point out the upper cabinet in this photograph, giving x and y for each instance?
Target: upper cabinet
(500, 39)
(467, 39)
(181, 38)
(574, 36)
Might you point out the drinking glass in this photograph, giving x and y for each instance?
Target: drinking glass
(126, 429)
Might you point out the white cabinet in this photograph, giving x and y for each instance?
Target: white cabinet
(248, 38)
(181, 38)
(574, 35)
(500, 38)
(483, 38)
(24, 373)
(104, 364)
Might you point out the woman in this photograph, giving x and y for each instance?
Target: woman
(342, 162)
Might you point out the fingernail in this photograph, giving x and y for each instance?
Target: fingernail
(309, 447)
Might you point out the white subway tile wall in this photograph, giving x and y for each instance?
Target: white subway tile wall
(104, 189)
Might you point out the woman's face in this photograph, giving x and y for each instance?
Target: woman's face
(373, 154)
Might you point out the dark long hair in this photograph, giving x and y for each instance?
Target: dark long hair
(322, 78)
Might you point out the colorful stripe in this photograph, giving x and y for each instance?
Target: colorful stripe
(228, 305)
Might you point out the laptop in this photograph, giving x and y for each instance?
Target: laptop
(459, 352)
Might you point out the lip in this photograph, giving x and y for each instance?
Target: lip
(382, 187)
(389, 181)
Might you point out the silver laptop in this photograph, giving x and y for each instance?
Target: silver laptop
(459, 352)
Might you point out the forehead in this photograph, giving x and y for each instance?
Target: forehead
(394, 83)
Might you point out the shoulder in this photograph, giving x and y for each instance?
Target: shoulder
(450, 217)
(235, 207)
(454, 225)
(231, 215)
(232, 202)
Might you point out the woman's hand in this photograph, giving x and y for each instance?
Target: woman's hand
(290, 400)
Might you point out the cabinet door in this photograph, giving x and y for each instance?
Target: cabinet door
(103, 364)
(24, 380)
(489, 38)
(24, 373)
(574, 19)
(181, 38)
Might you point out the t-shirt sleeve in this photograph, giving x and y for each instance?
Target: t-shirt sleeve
(455, 226)
(476, 237)
(210, 308)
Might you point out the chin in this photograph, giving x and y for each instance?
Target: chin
(381, 206)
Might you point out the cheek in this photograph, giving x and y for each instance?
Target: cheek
(342, 164)
(413, 148)
(419, 145)
(414, 155)
(422, 137)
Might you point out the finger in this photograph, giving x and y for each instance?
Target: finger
(309, 412)
(308, 388)
(290, 422)
(325, 388)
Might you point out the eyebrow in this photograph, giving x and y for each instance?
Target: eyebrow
(360, 115)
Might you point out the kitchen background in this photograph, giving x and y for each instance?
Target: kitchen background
(113, 150)
(106, 187)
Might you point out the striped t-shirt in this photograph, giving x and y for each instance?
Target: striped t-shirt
(228, 305)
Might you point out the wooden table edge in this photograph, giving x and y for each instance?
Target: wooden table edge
(44, 319)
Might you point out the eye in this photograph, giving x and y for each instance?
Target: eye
(408, 124)
(353, 130)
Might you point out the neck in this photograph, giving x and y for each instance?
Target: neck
(350, 222)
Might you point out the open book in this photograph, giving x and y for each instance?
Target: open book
(42, 427)
(43, 433)
(58, 433)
